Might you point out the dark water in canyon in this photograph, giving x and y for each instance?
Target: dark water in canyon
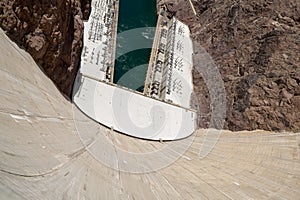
(137, 20)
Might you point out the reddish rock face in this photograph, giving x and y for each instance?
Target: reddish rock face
(51, 31)
(256, 46)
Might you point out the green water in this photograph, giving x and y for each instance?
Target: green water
(134, 14)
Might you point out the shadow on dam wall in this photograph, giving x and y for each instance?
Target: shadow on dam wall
(43, 157)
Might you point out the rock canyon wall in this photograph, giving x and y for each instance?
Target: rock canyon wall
(255, 44)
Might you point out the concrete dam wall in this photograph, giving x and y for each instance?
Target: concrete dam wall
(49, 150)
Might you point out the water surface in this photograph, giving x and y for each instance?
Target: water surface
(134, 14)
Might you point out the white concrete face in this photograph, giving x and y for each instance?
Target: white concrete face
(132, 113)
(169, 75)
(179, 82)
(99, 40)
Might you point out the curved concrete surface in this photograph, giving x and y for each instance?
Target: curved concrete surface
(132, 113)
(43, 157)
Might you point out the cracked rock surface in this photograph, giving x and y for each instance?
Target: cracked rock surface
(256, 46)
(51, 31)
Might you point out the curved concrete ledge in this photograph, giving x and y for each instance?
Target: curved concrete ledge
(132, 113)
